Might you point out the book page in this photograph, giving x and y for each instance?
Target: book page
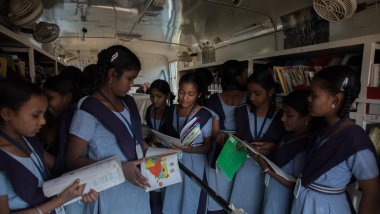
(161, 171)
(151, 152)
(275, 168)
(146, 131)
(98, 176)
(167, 140)
(190, 132)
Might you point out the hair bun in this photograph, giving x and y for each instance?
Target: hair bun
(104, 57)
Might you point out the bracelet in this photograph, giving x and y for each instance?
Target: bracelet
(266, 170)
(39, 210)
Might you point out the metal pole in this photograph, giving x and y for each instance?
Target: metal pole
(224, 204)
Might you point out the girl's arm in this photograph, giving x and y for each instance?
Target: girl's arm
(49, 160)
(370, 198)
(76, 155)
(75, 190)
(215, 128)
(203, 149)
(265, 148)
(266, 168)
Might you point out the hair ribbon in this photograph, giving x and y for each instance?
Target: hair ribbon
(114, 56)
(344, 84)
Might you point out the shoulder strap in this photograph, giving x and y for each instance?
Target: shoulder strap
(339, 148)
(167, 126)
(276, 129)
(148, 116)
(214, 103)
(288, 151)
(64, 128)
(242, 126)
(23, 181)
(203, 116)
(135, 117)
(113, 124)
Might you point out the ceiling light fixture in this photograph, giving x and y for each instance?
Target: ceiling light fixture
(84, 31)
(134, 11)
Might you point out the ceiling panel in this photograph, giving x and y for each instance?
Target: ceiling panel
(179, 21)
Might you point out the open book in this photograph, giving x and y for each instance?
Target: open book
(98, 176)
(275, 168)
(190, 132)
(160, 167)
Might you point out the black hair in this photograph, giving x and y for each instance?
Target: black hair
(297, 100)
(89, 76)
(340, 79)
(16, 92)
(163, 87)
(118, 57)
(74, 74)
(265, 80)
(206, 75)
(229, 72)
(62, 86)
(198, 82)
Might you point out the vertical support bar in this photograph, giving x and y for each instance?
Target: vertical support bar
(55, 67)
(32, 68)
(368, 57)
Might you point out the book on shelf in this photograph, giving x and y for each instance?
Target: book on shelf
(98, 176)
(160, 167)
(375, 138)
(293, 77)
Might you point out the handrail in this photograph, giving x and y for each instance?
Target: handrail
(256, 11)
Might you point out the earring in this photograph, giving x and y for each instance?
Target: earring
(306, 123)
(332, 105)
(109, 82)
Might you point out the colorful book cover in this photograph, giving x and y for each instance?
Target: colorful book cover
(230, 158)
(161, 171)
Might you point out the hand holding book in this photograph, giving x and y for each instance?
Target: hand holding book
(133, 174)
(264, 148)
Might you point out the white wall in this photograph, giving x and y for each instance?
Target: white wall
(363, 23)
(152, 64)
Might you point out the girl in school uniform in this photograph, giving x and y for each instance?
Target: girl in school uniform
(233, 78)
(61, 93)
(187, 197)
(260, 125)
(161, 98)
(107, 123)
(23, 169)
(340, 152)
(290, 155)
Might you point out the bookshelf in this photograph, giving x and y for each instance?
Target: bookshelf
(38, 61)
(364, 48)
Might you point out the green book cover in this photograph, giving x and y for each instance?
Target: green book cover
(230, 159)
